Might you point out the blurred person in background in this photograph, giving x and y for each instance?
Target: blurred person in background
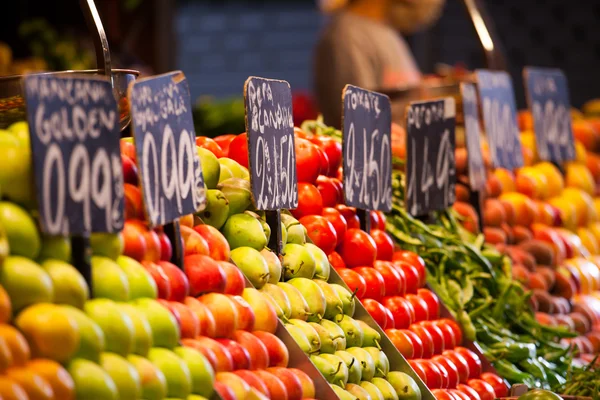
(362, 45)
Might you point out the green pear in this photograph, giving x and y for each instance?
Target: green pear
(367, 365)
(114, 322)
(92, 381)
(299, 337)
(217, 209)
(123, 374)
(201, 371)
(354, 368)
(176, 371)
(165, 330)
(327, 345)
(311, 334)
(69, 286)
(142, 337)
(347, 299)
(328, 369)
(371, 338)
(296, 232)
(244, 230)
(382, 364)
(274, 264)
(252, 264)
(358, 391)
(284, 235)
(333, 307)
(238, 193)
(322, 266)
(154, 383)
(343, 394)
(280, 297)
(225, 173)
(276, 306)
(405, 386)
(386, 389)
(140, 281)
(91, 337)
(299, 306)
(297, 262)
(108, 280)
(341, 376)
(211, 168)
(373, 390)
(266, 228)
(352, 330)
(337, 334)
(314, 297)
(233, 166)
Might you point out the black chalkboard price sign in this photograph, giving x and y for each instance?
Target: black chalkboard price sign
(272, 156)
(500, 118)
(548, 99)
(367, 125)
(470, 106)
(430, 163)
(74, 128)
(164, 136)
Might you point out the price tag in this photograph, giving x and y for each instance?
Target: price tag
(471, 117)
(548, 99)
(367, 126)
(163, 131)
(272, 156)
(74, 128)
(500, 118)
(430, 164)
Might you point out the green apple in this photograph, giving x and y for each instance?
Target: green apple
(106, 244)
(140, 281)
(21, 230)
(203, 375)
(176, 371)
(165, 330)
(69, 286)
(115, 323)
(25, 282)
(91, 381)
(16, 166)
(108, 280)
(153, 381)
(21, 131)
(123, 374)
(91, 337)
(142, 337)
(56, 248)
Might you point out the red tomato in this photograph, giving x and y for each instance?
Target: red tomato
(355, 282)
(377, 311)
(402, 342)
(333, 149)
(338, 222)
(299, 133)
(321, 232)
(238, 149)
(308, 161)
(455, 328)
(401, 309)
(433, 303)
(384, 243)
(328, 190)
(420, 307)
(436, 335)
(391, 323)
(374, 220)
(340, 188)
(450, 369)
(336, 261)
(434, 376)
(210, 145)
(483, 389)
(415, 260)
(323, 161)
(411, 275)
(349, 214)
(309, 201)
(375, 285)
(442, 394)
(419, 370)
(472, 360)
(382, 220)
(497, 383)
(469, 391)
(459, 395)
(444, 374)
(449, 339)
(425, 337)
(461, 364)
(416, 342)
(394, 282)
(223, 141)
(357, 248)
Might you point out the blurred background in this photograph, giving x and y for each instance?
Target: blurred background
(219, 43)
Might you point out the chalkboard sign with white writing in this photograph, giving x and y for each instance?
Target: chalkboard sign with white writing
(548, 99)
(500, 118)
(272, 156)
(367, 125)
(163, 131)
(74, 128)
(470, 106)
(430, 163)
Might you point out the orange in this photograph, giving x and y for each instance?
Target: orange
(506, 178)
(594, 228)
(187, 220)
(554, 179)
(592, 162)
(5, 306)
(578, 176)
(580, 152)
(585, 132)
(525, 208)
(588, 240)
(584, 205)
(58, 377)
(6, 359)
(525, 120)
(532, 183)
(10, 390)
(528, 142)
(545, 213)
(17, 344)
(34, 385)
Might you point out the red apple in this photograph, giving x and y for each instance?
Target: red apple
(234, 279)
(207, 324)
(224, 391)
(292, 384)
(246, 318)
(375, 286)
(180, 286)
(276, 387)
(239, 355)
(208, 353)
(224, 359)
(128, 149)
(308, 386)
(393, 281)
(193, 243)
(130, 171)
(168, 305)
(231, 380)
(259, 355)
(377, 312)
(204, 274)
(278, 353)
(166, 249)
(134, 204)
(189, 322)
(224, 311)
(253, 380)
(217, 244)
(134, 242)
(160, 277)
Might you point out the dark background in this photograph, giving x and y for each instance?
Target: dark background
(218, 44)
